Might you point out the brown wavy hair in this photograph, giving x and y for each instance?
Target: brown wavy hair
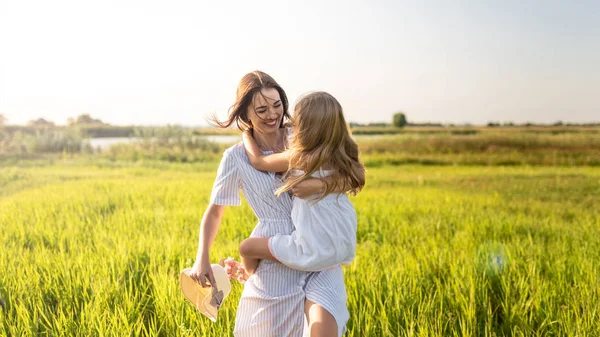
(322, 139)
(251, 84)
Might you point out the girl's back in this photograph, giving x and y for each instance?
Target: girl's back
(325, 234)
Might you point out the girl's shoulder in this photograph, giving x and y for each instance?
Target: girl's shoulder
(320, 173)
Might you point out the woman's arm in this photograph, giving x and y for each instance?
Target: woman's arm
(277, 162)
(201, 271)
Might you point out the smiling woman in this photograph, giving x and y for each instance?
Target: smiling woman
(268, 93)
(277, 300)
(267, 111)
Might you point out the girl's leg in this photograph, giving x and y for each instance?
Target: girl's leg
(252, 250)
(326, 289)
(321, 322)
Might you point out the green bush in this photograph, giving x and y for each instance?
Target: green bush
(399, 120)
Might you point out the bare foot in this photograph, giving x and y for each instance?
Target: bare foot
(235, 270)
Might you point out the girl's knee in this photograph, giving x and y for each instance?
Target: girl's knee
(245, 248)
(255, 248)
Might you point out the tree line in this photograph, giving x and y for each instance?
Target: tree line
(399, 120)
(83, 119)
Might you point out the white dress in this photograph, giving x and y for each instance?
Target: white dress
(272, 303)
(325, 234)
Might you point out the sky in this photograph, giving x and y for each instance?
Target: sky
(175, 62)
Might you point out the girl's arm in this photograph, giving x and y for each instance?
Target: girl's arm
(201, 271)
(253, 250)
(277, 162)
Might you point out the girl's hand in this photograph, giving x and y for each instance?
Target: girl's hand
(202, 273)
(251, 147)
(235, 270)
(247, 138)
(308, 188)
(277, 162)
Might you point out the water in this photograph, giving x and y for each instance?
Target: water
(104, 143)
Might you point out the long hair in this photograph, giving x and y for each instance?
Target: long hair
(322, 139)
(250, 85)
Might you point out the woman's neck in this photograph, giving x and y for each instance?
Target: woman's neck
(270, 141)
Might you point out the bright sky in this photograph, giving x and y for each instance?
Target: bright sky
(158, 62)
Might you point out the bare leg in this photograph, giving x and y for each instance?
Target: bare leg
(321, 322)
(252, 250)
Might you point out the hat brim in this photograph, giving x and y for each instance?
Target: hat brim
(197, 295)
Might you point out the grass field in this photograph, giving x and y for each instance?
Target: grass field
(95, 250)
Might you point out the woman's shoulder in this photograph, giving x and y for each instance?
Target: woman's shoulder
(288, 130)
(288, 134)
(235, 151)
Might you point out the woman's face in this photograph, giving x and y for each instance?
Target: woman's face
(266, 111)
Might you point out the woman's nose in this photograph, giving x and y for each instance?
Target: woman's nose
(272, 113)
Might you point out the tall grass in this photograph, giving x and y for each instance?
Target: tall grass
(172, 144)
(43, 141)
(442, 251)
(490, 148)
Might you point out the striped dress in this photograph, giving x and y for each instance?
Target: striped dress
(272, 302)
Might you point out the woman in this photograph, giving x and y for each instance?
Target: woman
(276, 298)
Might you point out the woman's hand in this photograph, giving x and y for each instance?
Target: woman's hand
(308, 188)
(202, 273)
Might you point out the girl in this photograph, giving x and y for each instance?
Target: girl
(325, 225)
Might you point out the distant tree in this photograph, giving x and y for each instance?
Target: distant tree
(558, 123)
(399, 120)
(83, 119)
(2, 119)
(40, 122)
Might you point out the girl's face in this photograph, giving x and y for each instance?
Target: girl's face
(266, 111)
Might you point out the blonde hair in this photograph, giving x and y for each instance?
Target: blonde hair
(322, 139)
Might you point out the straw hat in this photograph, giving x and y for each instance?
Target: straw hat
(206, 300)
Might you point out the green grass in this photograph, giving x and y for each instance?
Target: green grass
(95, 250)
